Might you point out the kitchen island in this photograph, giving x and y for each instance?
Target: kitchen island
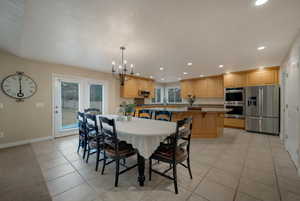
(207, 122)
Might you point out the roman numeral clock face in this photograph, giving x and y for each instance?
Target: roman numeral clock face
(19, 86)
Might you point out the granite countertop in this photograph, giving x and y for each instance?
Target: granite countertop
(186, 109)
(185, 105)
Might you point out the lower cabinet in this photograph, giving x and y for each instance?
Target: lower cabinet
(234, 123)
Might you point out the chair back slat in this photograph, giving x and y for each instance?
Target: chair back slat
(81, 122)
(91, 124)
(108, 130)
(92, 111)
(182, 137)
(145, 114)
(163, 115)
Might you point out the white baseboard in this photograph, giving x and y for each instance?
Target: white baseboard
(22, 142)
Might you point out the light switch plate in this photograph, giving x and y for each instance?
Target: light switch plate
(1, 105)
(1, 134)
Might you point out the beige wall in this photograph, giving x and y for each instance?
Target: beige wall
(24, 121)
(290, 95)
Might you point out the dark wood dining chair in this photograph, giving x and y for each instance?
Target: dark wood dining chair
(175, 152)
(95, 143)
(145, 114)
(83, 137)
(92, 111)
(163, 115)
(114, 149)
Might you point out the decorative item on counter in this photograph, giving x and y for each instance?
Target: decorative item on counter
(191, 99)
(127, 110)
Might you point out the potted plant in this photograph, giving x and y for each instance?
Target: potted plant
(191, 99)
(127, 109)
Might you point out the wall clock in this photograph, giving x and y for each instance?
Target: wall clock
(19, 86)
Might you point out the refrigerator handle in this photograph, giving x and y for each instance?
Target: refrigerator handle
(259, 101)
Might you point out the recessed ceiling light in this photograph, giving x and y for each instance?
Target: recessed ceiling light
(162, 79)
(221, 66)
(185, 73)
(261, 48)
(260, 2)
(201, 75)
(138, 74)
(161, 68)
(190, 64)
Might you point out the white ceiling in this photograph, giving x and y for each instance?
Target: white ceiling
(166, 33)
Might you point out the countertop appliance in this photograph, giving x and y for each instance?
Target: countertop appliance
(144, 94)
(262, 109)
(235, 102)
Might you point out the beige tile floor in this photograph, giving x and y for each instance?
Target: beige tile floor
(240, 166)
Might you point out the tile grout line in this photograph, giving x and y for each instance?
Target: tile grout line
(201, 180)
(70, 163)
(275, 171)
(241, 174)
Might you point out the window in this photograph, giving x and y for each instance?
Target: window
(158, 96)
(174, 95)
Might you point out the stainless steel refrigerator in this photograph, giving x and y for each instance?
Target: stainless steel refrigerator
(262, 109)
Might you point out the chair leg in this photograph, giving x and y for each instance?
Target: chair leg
(104, 163)
(88, 154)
(175, 177)
(150, 169)
(97, 162)
(79, 145)
(117, 172)
(84, 149)
(189, 167)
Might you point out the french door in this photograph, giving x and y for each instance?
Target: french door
(73, 95)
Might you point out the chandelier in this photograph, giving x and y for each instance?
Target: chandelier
(122, 70)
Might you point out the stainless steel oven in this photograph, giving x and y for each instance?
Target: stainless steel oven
(236, 111)
(234, 96)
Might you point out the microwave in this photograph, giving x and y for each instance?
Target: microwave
(234, 96)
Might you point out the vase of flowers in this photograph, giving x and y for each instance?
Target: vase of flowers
(191, 99)
(127, 110)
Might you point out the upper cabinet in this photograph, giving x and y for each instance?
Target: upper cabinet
(134, 84)
(232, 80)
(252, 78)
(210, 87)
(263, 77)
(186, 88)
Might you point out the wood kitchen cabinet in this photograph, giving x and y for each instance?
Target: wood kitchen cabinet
(187, 88)
(252, 78)
(134, 84)
(234, 80)
(209, 87)
(262, 77)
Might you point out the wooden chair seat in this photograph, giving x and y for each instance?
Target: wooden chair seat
(166, 155)
(125, 150)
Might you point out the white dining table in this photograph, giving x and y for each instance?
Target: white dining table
(145, 135)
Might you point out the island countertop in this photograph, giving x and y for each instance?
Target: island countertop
(208, 122)
(189, 109)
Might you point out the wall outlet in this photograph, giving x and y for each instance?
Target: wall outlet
(1, 134)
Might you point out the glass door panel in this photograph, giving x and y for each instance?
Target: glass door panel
(96, 96)
(69, 104)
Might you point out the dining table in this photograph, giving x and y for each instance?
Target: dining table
(145, 135)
